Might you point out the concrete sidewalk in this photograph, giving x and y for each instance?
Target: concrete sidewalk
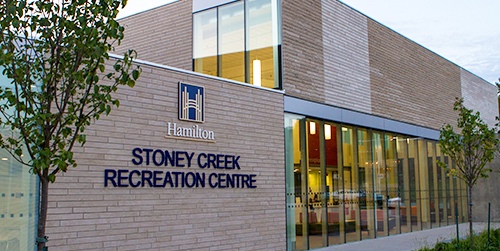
(411, 241)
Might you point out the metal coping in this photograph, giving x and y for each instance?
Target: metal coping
(327, 112)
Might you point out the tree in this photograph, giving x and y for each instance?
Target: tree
(470, 150)
(55, 54)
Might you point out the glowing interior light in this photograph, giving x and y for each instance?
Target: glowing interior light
(312, 128)
(257, 73)
(4, 159)
(328, 132)
(344, 129)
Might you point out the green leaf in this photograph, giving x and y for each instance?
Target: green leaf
(135, 74)
(108, 109)
(52, 178)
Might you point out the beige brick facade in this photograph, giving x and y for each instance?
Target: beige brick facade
(408, 82)
(478, 96)
(162, 35)
(302, 43)
(356, 63)
(332, 55)
(247, 121)
(347, 71)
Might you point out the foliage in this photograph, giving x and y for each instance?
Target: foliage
(480, 243)
(55, 53)
(470, 150)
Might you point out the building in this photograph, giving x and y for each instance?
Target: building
(259, 125)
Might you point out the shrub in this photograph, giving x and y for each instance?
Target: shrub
(480, 243)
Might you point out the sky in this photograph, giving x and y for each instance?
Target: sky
(466, 32)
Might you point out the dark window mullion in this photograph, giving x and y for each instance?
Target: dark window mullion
(218, 39)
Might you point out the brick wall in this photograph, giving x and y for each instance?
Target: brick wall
(302, 43)
(408, 82)
(162, 35)
(346, 59)
(356, 63)
(486, 191)
(84, 215)
(479, 96)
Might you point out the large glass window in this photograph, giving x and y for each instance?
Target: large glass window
(18, 197)
(239, 41)
(393, 189)
(425, 212)
(441, 179)
(205, 42)
(346, 183)
(433, 183)
(366, 185)
(316, 184)
(349, 196)
(334, 183)
(380, 182)
(262, 42)
(232, 42)
(296, 183)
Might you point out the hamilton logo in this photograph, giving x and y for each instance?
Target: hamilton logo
(191, 103)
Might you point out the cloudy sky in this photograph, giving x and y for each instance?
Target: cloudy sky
(466, 32)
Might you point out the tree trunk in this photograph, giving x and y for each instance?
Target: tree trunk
(42, 215)
(471, 233)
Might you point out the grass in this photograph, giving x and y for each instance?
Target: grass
(480, 243)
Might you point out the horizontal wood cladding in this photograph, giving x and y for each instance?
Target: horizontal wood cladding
(248, 122)
(480, 96)
(408, 82)
(162, 35)
(303, 65)
(325, 54)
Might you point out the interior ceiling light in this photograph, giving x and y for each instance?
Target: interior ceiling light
(257, 73)
(312, 128)
(328, 132)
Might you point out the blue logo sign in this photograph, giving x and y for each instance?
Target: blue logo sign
(191, 103)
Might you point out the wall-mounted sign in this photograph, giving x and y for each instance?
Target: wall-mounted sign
(190, 133)
(191, 103)
(180, 178)
(192, 109)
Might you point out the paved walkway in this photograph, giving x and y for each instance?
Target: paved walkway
(411, 241)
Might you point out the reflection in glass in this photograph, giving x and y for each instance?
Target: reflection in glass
(232, 42)
(424, 184)
(414, 184)
(347, 183)
(349, 195)
(404, 183)
(18, 210)
(393, 184)
(295, 208)
(464, 201)
(366, 185)
(449, 203)
(380, 182)
(456, 204)
(433, 193)
(18, 198)
(443, 209)
(262, 42)
(451, 190)
(315, 187)
(333, 183)
(239, 41)
(205, 42)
